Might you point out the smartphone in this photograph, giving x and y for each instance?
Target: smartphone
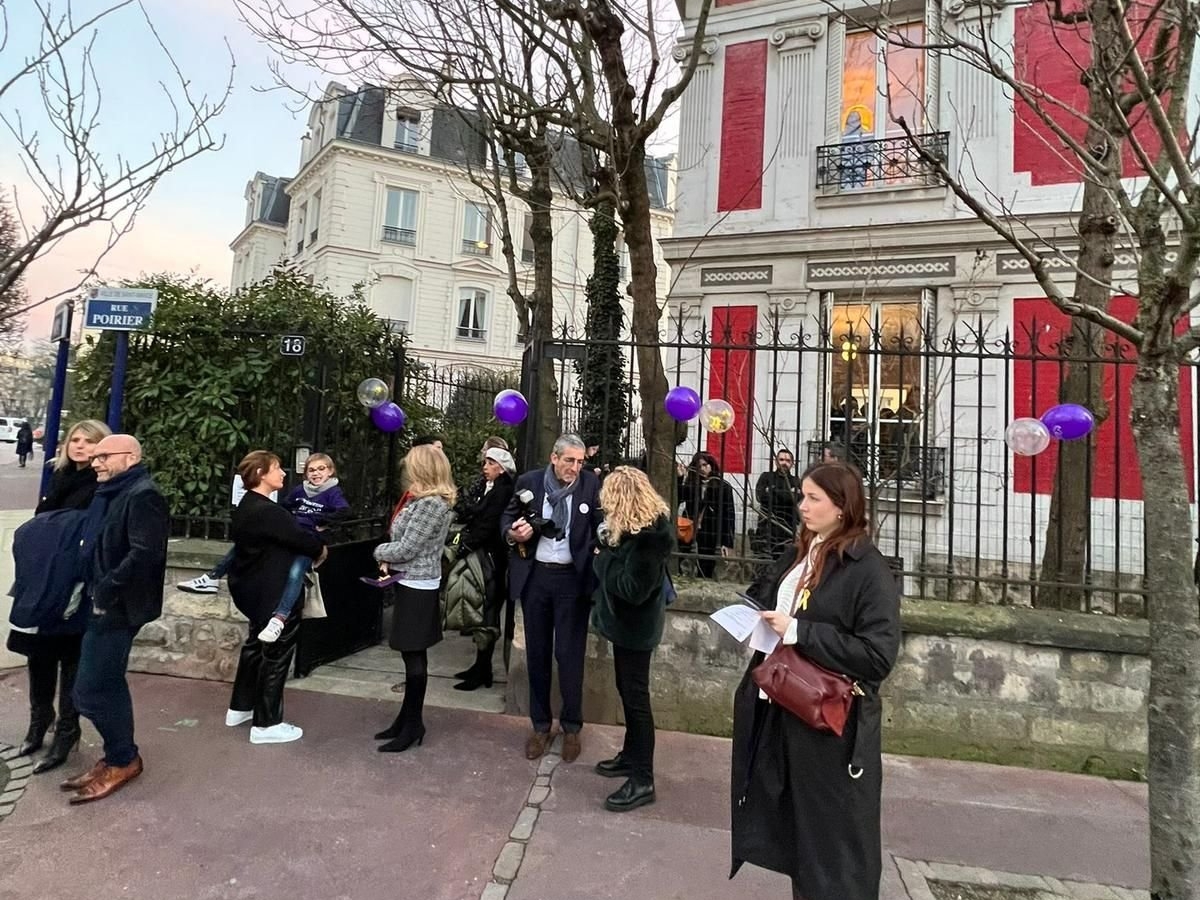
(744, 596)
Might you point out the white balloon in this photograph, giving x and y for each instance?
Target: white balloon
(1027, 437)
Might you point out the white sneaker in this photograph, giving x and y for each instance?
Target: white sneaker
(201, 585)
(235, 717)
(271, 633)
(276, 734)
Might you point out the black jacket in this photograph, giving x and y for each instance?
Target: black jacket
(480, 515)
(25, 439)
(777, 495)
(266, 539)
(69, 488)
(630, 606)
(585, 516)
(796, 809)
(130, 559)
(710, 504)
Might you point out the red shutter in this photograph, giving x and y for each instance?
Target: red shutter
(742, 115)
(1115, 470)
(731, 378)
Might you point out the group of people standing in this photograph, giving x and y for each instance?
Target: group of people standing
(574, 552)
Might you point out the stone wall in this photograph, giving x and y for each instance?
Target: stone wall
(1031, 687)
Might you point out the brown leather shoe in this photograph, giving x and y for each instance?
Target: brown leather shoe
(83, 779)
(111, 779)
(572, 746)
(537, 743)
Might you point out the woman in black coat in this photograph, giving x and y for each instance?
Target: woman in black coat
(53, 651)
(634, 543)
(480, 512)
(708, 502)
(266, 541)
(24, 443)
(806, 803)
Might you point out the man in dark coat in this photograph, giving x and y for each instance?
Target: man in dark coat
(125, 557)
(777, 493)
(550, 571)
(24, 443)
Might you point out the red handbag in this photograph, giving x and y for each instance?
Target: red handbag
(816, 696)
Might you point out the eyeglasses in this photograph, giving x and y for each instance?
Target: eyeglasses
(102, 458)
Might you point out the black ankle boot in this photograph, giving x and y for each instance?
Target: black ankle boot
(394, 729)
(633, 793)
(409, 734)
(480, 673)
(40, 721)
(616, 767)
(66, 739)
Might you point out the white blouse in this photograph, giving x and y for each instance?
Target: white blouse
(786, 596)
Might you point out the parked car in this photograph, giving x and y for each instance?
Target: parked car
(8, 428)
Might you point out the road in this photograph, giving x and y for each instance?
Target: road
(19, 487)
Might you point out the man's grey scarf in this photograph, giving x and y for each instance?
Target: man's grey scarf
(558, 496)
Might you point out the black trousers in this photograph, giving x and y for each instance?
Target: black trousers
(262, 672)
(632, 669)
(556, 624)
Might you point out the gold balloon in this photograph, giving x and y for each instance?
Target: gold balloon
(717, 416)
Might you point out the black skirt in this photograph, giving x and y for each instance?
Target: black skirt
(416, 619)
(64, 647)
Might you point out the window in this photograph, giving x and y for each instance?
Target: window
(520, 167)
(477, 230)
(882, 81)
(875, 377)
(315, 220)
(400, 216)
(472, 314)
(392, 299)
(301, 220)
(527, 239)
(408, 129)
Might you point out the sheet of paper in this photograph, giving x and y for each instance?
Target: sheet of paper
(763, 638)
(739, 620)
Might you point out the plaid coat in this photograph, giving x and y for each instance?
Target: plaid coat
(418, 535)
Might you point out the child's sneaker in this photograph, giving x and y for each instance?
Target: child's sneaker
(271, 633)
(201, 585)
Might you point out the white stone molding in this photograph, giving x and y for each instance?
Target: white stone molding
(802, 35)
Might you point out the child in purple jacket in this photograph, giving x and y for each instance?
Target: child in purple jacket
(315, 503)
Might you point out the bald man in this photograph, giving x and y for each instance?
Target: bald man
(125, 558)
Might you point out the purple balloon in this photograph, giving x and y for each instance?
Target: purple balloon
(682, 404)
(388, 417)
(510, 407)
(1069, 421)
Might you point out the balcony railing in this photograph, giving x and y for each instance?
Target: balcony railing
(917, 468)
(476, 248)
(472, 334)
(400, 235)
(888, 162)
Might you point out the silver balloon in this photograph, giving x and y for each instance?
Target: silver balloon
(372, 393)
(717, 416)
(1027, 437)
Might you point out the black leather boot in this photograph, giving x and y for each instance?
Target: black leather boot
(43, 676)
(480, 674)
(616, 767)
(40, 721)
(67, 731)
(637, 791)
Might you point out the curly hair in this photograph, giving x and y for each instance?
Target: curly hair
(629, 502)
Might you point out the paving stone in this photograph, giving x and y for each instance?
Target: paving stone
(912, 874)
(494, 891)
(15, 784)
(1082, 891)
(526, 821)
(508, 863)
(10, 753)
(1029, 882)
(542, 781)
(10, 796)
(548, 764)
(5, 810)
(1056, 886)
(968, 874)
(538, 795)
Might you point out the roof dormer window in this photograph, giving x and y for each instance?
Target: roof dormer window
(408, 129)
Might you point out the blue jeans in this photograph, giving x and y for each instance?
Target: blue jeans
(101, 691)
(218, 571)
(295, 584)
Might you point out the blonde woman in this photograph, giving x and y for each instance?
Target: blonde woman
(52, 646)
(635, 542)
(414, 557)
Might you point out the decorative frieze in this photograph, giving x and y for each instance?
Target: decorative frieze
(735, 276)
(904, 269)
(1013, 263)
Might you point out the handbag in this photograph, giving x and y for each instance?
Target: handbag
(685, 529)
(816, 696)
(314, 600)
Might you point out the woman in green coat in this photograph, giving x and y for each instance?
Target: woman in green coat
(635, 542)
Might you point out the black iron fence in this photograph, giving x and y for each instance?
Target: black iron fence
(920, 405)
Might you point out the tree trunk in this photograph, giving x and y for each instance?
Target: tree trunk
(1069, 527)
(546, 418)
(1174, 698)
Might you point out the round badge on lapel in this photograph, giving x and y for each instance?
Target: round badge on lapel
(583, 507)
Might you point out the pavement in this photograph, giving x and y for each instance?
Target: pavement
(19, 486)
(466, 816)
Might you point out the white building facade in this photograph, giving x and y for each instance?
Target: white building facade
(383, 200)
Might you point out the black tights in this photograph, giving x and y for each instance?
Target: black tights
(416, 680)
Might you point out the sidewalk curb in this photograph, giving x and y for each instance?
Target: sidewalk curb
(20, 768)
(916, 875)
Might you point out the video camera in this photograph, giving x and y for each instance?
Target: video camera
(542, 527)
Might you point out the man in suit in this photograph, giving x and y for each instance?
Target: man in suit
(125, 558)
(550, 571)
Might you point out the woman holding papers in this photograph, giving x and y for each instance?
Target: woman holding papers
(805, 802)
(635, 541)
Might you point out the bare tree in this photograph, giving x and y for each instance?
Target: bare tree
(1136, 62)
(58, 140)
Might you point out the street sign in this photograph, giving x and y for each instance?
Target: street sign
(120, 309)
(292, 345)
(61, 329)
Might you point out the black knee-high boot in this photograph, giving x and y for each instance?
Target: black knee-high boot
(409, 727)
(480, 673)
(43, 675)
(67, 731)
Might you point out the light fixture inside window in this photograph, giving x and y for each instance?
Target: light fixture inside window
(481, 245)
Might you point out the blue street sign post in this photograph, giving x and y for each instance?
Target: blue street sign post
(121, 310)
(60, 332)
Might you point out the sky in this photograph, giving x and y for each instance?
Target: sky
(195, 211)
